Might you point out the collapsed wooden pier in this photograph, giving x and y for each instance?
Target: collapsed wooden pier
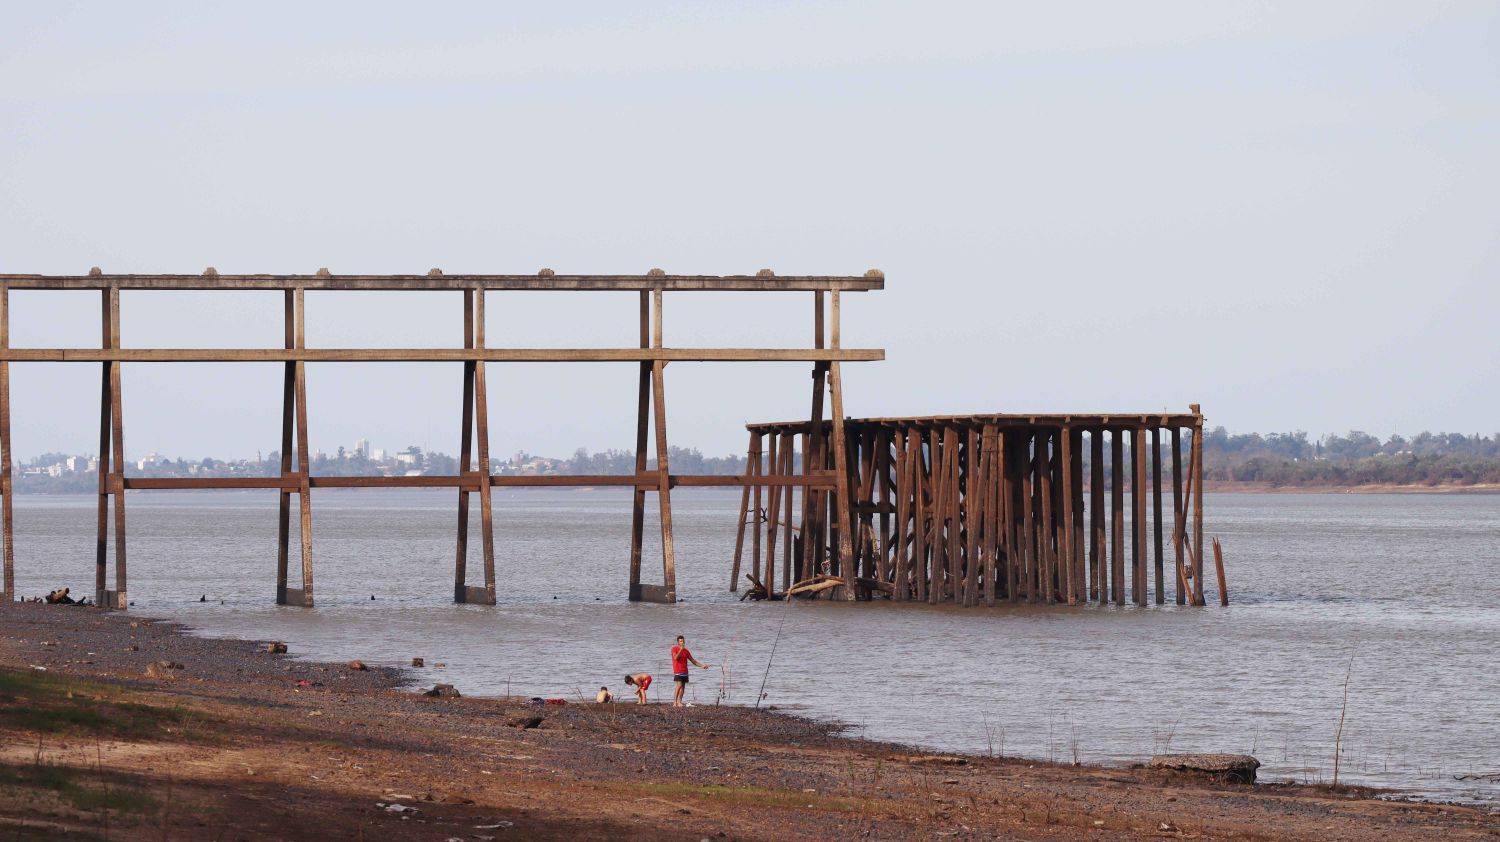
(651, 357)
(977, 509)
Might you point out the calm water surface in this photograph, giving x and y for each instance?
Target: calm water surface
(1404, 587)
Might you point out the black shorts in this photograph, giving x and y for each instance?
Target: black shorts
(680, 679)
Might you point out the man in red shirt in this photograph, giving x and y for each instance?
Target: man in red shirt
(681, 657)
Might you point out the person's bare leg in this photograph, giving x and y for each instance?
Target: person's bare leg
(677, 694)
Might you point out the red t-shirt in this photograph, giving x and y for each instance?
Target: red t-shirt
(680, 656)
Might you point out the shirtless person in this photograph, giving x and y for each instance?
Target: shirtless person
(681, 657)
(640, 681)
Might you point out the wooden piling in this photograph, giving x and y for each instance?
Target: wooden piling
(1138, 516)
(465, 458)
(482, 440)
(1219, 569)
(106, 455)
(8, 589)
(1117, 517)
(1156, 510)
(288, 430)
(642, 438)
(1098, 591)
(664, 479)
(1177, 516)
(117, 435)
(304, 468)
(751, 458)
(1197, 505)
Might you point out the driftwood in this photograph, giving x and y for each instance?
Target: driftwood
(758, 591)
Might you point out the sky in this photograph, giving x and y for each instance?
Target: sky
(1283, 211)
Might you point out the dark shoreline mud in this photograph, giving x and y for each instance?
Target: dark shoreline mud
(239, 743)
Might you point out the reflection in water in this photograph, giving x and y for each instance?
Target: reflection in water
(1402, 585)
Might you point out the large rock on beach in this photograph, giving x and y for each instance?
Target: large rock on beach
(1235, 768)
(443, 691)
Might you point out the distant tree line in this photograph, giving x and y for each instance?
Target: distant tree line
(1357, 458)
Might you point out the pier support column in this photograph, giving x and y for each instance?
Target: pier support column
(111, 463)
(475, 409)
(8, 589)
(653, 410)
(288, 430)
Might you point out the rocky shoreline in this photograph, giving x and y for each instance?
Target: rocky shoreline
(118, 726)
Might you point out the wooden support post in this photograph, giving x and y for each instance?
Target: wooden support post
(773, 516)
(642, 434)
(901, 583)
(973, 509)
(664, 483)
(1138, 516)
(788, 451)
(751, 468)
(1067, 457)
(937, 569)
(1080, 572)
(288, 427)
(994, 484)
(919, 512)
(1015, 554)
(466, 459)
(482, 440)
(840, 464)
(1029, 542)
(1117, 519)
(882, 444)
(1098, 591)
(1177, 516)
(1219, 569)
(1047, 531)
(1161, 584)
(1197, 506)
(117, 430)
(304, 490)
(755, 518)
(812, 455)
(954, 542)
(101, 558)
(8, 589)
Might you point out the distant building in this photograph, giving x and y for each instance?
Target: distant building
(362, 448)
(76, 464)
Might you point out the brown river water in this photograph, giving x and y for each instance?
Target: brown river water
(1399, 592)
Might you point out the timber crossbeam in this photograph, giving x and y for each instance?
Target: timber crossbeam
(476, 475)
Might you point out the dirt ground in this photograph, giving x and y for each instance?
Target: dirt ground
(240, 744)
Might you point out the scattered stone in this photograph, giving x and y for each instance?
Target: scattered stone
(498, 825)
(523, 720)
(399, 808)
(417, 662)
(276, 648)
(1167, 827)
(162, 669)
(443, 691)
(358, 666)
(1235, 768)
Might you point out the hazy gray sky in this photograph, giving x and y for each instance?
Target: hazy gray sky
(1284, 211)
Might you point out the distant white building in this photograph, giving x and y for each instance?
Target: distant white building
(362, 448)
(76, 464)
(152, 460)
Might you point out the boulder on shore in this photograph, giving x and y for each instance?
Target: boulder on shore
(276, 648)
(445, 691)
(1235, 768)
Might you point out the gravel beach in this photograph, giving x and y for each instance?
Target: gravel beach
(118, 726)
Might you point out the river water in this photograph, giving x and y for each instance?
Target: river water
(1396, 592)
